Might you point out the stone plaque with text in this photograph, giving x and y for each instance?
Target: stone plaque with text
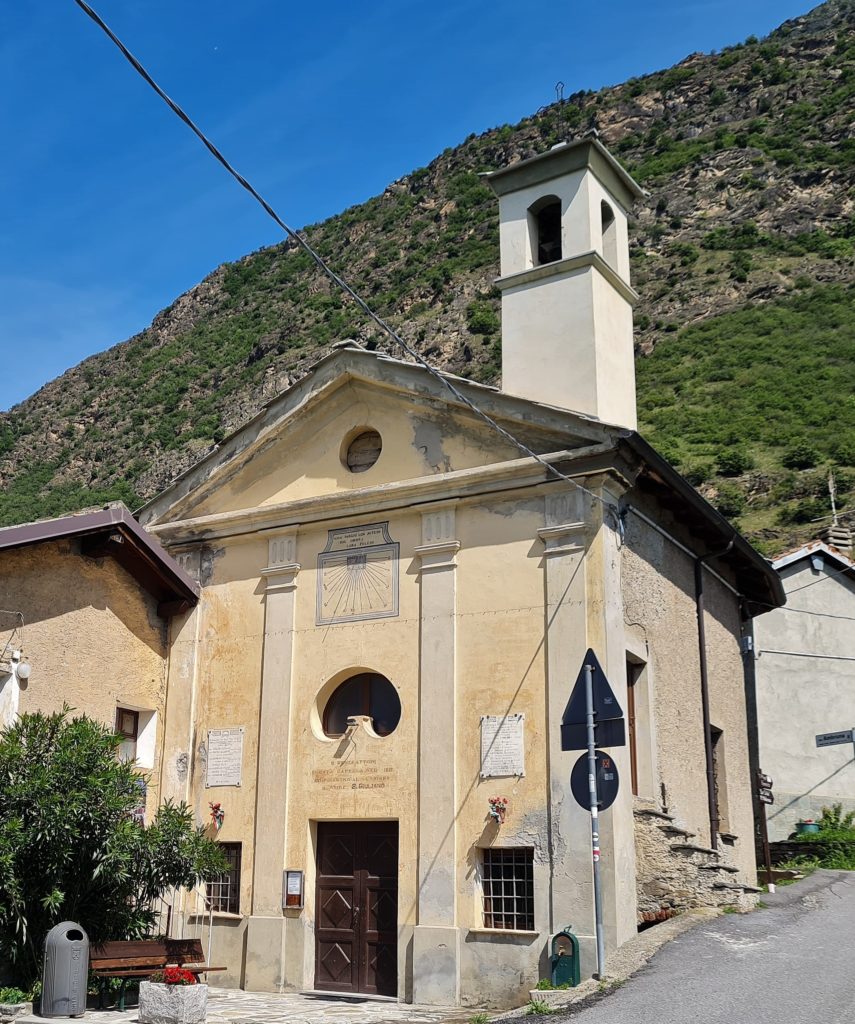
(225, 757)
(502, 745)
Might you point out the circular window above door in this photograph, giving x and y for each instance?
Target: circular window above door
(368, 694)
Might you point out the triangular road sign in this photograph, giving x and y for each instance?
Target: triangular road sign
(606, 706)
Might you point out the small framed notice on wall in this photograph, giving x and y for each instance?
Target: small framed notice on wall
(292, 890)
(225, 757)
(502, 745)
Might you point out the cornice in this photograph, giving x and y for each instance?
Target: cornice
(567, 266)
(441, 487)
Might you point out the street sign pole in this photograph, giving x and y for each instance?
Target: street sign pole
(595, 824)
(764, 783)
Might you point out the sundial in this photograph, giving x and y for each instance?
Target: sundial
(358, 575)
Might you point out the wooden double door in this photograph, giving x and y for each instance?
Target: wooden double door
(356, 901)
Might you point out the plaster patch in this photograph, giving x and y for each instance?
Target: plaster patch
(427, 438)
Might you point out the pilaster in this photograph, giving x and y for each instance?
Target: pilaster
(607, 636)
(265, 967)
(565, 537)
(436, 960)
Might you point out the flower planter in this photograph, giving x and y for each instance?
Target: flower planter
(809, 827)
(172, 1004)
(9, 1011)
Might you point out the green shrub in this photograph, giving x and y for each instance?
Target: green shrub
(70, 848)
(734, 461)
(481, 318)
(801, 455)
(13, 995)
(730, 500)
(538, 1006)
(697, 473)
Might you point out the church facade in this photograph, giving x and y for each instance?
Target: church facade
(395, 599)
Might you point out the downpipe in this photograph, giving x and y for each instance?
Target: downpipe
(705, 689)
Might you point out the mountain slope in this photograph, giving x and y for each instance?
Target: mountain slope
(742, 253)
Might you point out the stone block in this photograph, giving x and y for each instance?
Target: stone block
(9, 1011)
(172, 1004)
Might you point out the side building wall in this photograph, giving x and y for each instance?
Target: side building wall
(800, 696)
(662, 631)
(94, 641)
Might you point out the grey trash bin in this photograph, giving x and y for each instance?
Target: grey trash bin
(66, 971)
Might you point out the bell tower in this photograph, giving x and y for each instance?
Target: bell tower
(566, 297)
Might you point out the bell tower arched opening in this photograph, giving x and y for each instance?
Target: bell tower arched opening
(544, 218)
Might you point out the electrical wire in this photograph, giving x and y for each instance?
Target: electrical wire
(338, 281)
(830, 576)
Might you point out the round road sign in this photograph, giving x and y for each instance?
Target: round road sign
(607, 781)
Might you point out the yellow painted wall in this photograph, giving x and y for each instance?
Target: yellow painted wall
(91, 634)
(305, 458)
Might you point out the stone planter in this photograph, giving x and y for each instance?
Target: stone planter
(172, 1004)
(9, 1011)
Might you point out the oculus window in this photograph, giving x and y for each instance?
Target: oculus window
(363, 451)
(368, 694)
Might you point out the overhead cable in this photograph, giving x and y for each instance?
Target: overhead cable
(333, 276)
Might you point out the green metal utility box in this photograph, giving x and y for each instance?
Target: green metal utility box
(565, 959)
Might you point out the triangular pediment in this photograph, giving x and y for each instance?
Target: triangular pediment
(296, 448)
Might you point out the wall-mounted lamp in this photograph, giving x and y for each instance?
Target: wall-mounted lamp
(16, 667)
(19, 667)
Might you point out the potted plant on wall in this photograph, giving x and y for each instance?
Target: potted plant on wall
(173, 996)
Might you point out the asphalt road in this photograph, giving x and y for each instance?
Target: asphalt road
(790, 963)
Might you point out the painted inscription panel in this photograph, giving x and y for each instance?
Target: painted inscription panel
(361, 774)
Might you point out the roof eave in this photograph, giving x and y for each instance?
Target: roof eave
(770, 594)
(138, 552)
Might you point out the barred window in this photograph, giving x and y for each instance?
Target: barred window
(224, 891)
(508, 889)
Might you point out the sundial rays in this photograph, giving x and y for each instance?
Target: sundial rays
(357, 576)
(357, 583)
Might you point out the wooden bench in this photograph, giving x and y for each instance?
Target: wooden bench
(127, 959)
(188, 953)
(138, 959)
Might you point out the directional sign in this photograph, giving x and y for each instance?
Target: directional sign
(765, 796)
(763, 781)
(608, 715)
(832, 739)
(607, 781)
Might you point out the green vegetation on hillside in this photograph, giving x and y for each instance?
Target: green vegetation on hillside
(742, 254)
(763, 394)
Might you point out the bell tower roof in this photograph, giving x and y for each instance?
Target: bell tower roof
(564, 158)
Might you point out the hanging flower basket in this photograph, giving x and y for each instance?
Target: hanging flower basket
(173, 996)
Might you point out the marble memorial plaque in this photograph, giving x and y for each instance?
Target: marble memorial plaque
(225, 757)
(502, 745)
(358, 575)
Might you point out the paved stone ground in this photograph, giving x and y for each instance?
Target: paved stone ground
(230, 1006)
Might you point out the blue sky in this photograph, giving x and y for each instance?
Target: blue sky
(111, 209)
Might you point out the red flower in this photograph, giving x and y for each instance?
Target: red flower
(178, 976)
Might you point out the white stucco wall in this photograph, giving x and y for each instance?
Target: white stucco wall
(800, 697)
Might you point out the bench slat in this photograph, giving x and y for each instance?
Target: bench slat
(129, 947)
(100, 963)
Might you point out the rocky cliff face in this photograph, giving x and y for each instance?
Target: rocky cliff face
(742, 253)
